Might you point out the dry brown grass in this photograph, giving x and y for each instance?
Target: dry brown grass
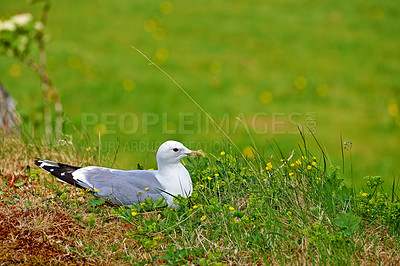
(37, 235)
(45, 231)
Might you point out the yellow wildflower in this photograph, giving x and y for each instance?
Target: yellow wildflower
(292, 165)
(151, 169)
(216, 175)
(314, 163)
(231, 208)
(203, 218)
(364, 194)
(142, 203)
(209, 177)
(195, 207)
(314, 158)
(134, 214)
(235, 220)
(269, 166)
(222, 153)
(291, 174)
(140, 192)
(88, 148)
(147, 189)
(309, 167)
(298, 161)
(96, 190)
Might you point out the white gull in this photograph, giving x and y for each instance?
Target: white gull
(133, 186)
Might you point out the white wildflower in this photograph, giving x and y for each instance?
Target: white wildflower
(7, 25)
(39, 26)
(22, 43)
(22, 19)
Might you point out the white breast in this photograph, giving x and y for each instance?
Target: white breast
(176, 180)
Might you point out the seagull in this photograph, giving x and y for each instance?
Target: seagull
(131, 187)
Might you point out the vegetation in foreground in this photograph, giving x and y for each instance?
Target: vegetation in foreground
(279, 63)
(282, 209)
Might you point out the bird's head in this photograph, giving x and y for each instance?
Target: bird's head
(171, 152)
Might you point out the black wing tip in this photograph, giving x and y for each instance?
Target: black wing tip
(42, 163)
(62, 171)
(38, 161)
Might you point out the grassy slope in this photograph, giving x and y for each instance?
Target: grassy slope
(226, 55)
(239, 213)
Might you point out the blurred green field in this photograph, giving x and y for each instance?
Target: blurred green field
(332, 66)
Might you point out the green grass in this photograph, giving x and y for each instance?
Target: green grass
(277, 66)
(226, 55)
(273, 209)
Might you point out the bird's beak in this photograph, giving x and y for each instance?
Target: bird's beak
(196, 153)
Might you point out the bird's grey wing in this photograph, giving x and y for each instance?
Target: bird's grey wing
(120, 187)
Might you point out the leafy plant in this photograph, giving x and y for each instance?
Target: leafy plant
(347, 222)
(180, 256)
(374, 204)
(96, 202)
(91, 220)
(17, 36)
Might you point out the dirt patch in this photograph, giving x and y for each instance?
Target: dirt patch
(37, 236)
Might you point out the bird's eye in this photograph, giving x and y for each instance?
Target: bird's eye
(175, 149)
